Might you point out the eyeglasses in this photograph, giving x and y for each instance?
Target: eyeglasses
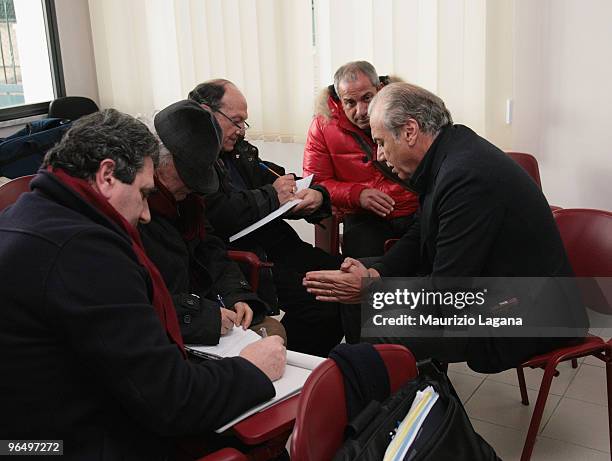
(242, 126)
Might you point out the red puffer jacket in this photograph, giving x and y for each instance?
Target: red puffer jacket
(341, 165)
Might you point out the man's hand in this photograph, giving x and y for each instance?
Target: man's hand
(244, 315)
(343, 286)
(376, 201)
(285, 188)
(267, 354)
(311, 201)
(227, 320)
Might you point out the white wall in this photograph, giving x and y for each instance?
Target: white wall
(77, 49)
(563, 97)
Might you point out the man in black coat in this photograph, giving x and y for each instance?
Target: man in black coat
(481, 215)
(251, 189)
(209, 291)
(89, 341)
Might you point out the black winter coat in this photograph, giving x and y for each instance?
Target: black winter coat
(199, 267)
(84, 356)
(481, 215)
(230, 210)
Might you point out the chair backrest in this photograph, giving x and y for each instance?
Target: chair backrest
(529, 164)
(10, 191)
(321, 417)
(587, 238)
(72, 107)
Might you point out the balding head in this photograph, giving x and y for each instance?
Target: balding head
(399, 102)
(405, 119)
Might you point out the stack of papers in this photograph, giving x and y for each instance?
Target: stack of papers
(410, 426)
(229, 345)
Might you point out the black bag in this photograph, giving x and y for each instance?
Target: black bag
(446, 433)
(22, 153)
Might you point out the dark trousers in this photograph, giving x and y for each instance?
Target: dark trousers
(365, 234)
(312, 327)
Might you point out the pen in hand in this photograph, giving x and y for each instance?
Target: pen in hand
(266, 167)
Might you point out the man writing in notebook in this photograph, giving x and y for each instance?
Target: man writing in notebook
(481, 215)
(210, 293)
(90, 345)
(248, 192)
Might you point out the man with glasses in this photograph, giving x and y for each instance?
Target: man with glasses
(251, 189)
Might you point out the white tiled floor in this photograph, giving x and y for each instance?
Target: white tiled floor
(575, 422)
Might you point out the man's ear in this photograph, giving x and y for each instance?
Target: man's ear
(411, 131)
(104, 180)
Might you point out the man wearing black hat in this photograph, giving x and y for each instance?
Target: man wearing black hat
(209, 291)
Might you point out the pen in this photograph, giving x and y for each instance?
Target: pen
(220, 299)
(266, 167)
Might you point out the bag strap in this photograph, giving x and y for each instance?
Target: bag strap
(362, 420)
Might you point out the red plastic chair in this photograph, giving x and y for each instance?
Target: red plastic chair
(587, 237)
(10, 191)
(530, 164)
(321, 417)
(255, 265)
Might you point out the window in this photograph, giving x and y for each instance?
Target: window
(30, 61)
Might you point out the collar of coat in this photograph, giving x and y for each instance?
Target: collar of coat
(432, 160)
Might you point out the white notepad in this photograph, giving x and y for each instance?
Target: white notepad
(299, 366)
(300, 184)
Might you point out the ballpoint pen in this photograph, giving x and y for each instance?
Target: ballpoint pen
(266, 167)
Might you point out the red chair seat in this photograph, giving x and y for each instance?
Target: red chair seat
(592, 344)
(10, 191)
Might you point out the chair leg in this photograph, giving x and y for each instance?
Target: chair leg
(574, 363)
(521, 379)
(538, 411)
(609, 388)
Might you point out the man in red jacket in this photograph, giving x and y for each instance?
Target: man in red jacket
(342, 156)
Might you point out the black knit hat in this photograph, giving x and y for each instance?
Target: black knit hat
(193, 137)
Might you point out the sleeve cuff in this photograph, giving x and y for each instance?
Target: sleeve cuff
(354, 194)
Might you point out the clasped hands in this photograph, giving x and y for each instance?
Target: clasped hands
(342, 285)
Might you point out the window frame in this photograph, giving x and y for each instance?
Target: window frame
(57, 71)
